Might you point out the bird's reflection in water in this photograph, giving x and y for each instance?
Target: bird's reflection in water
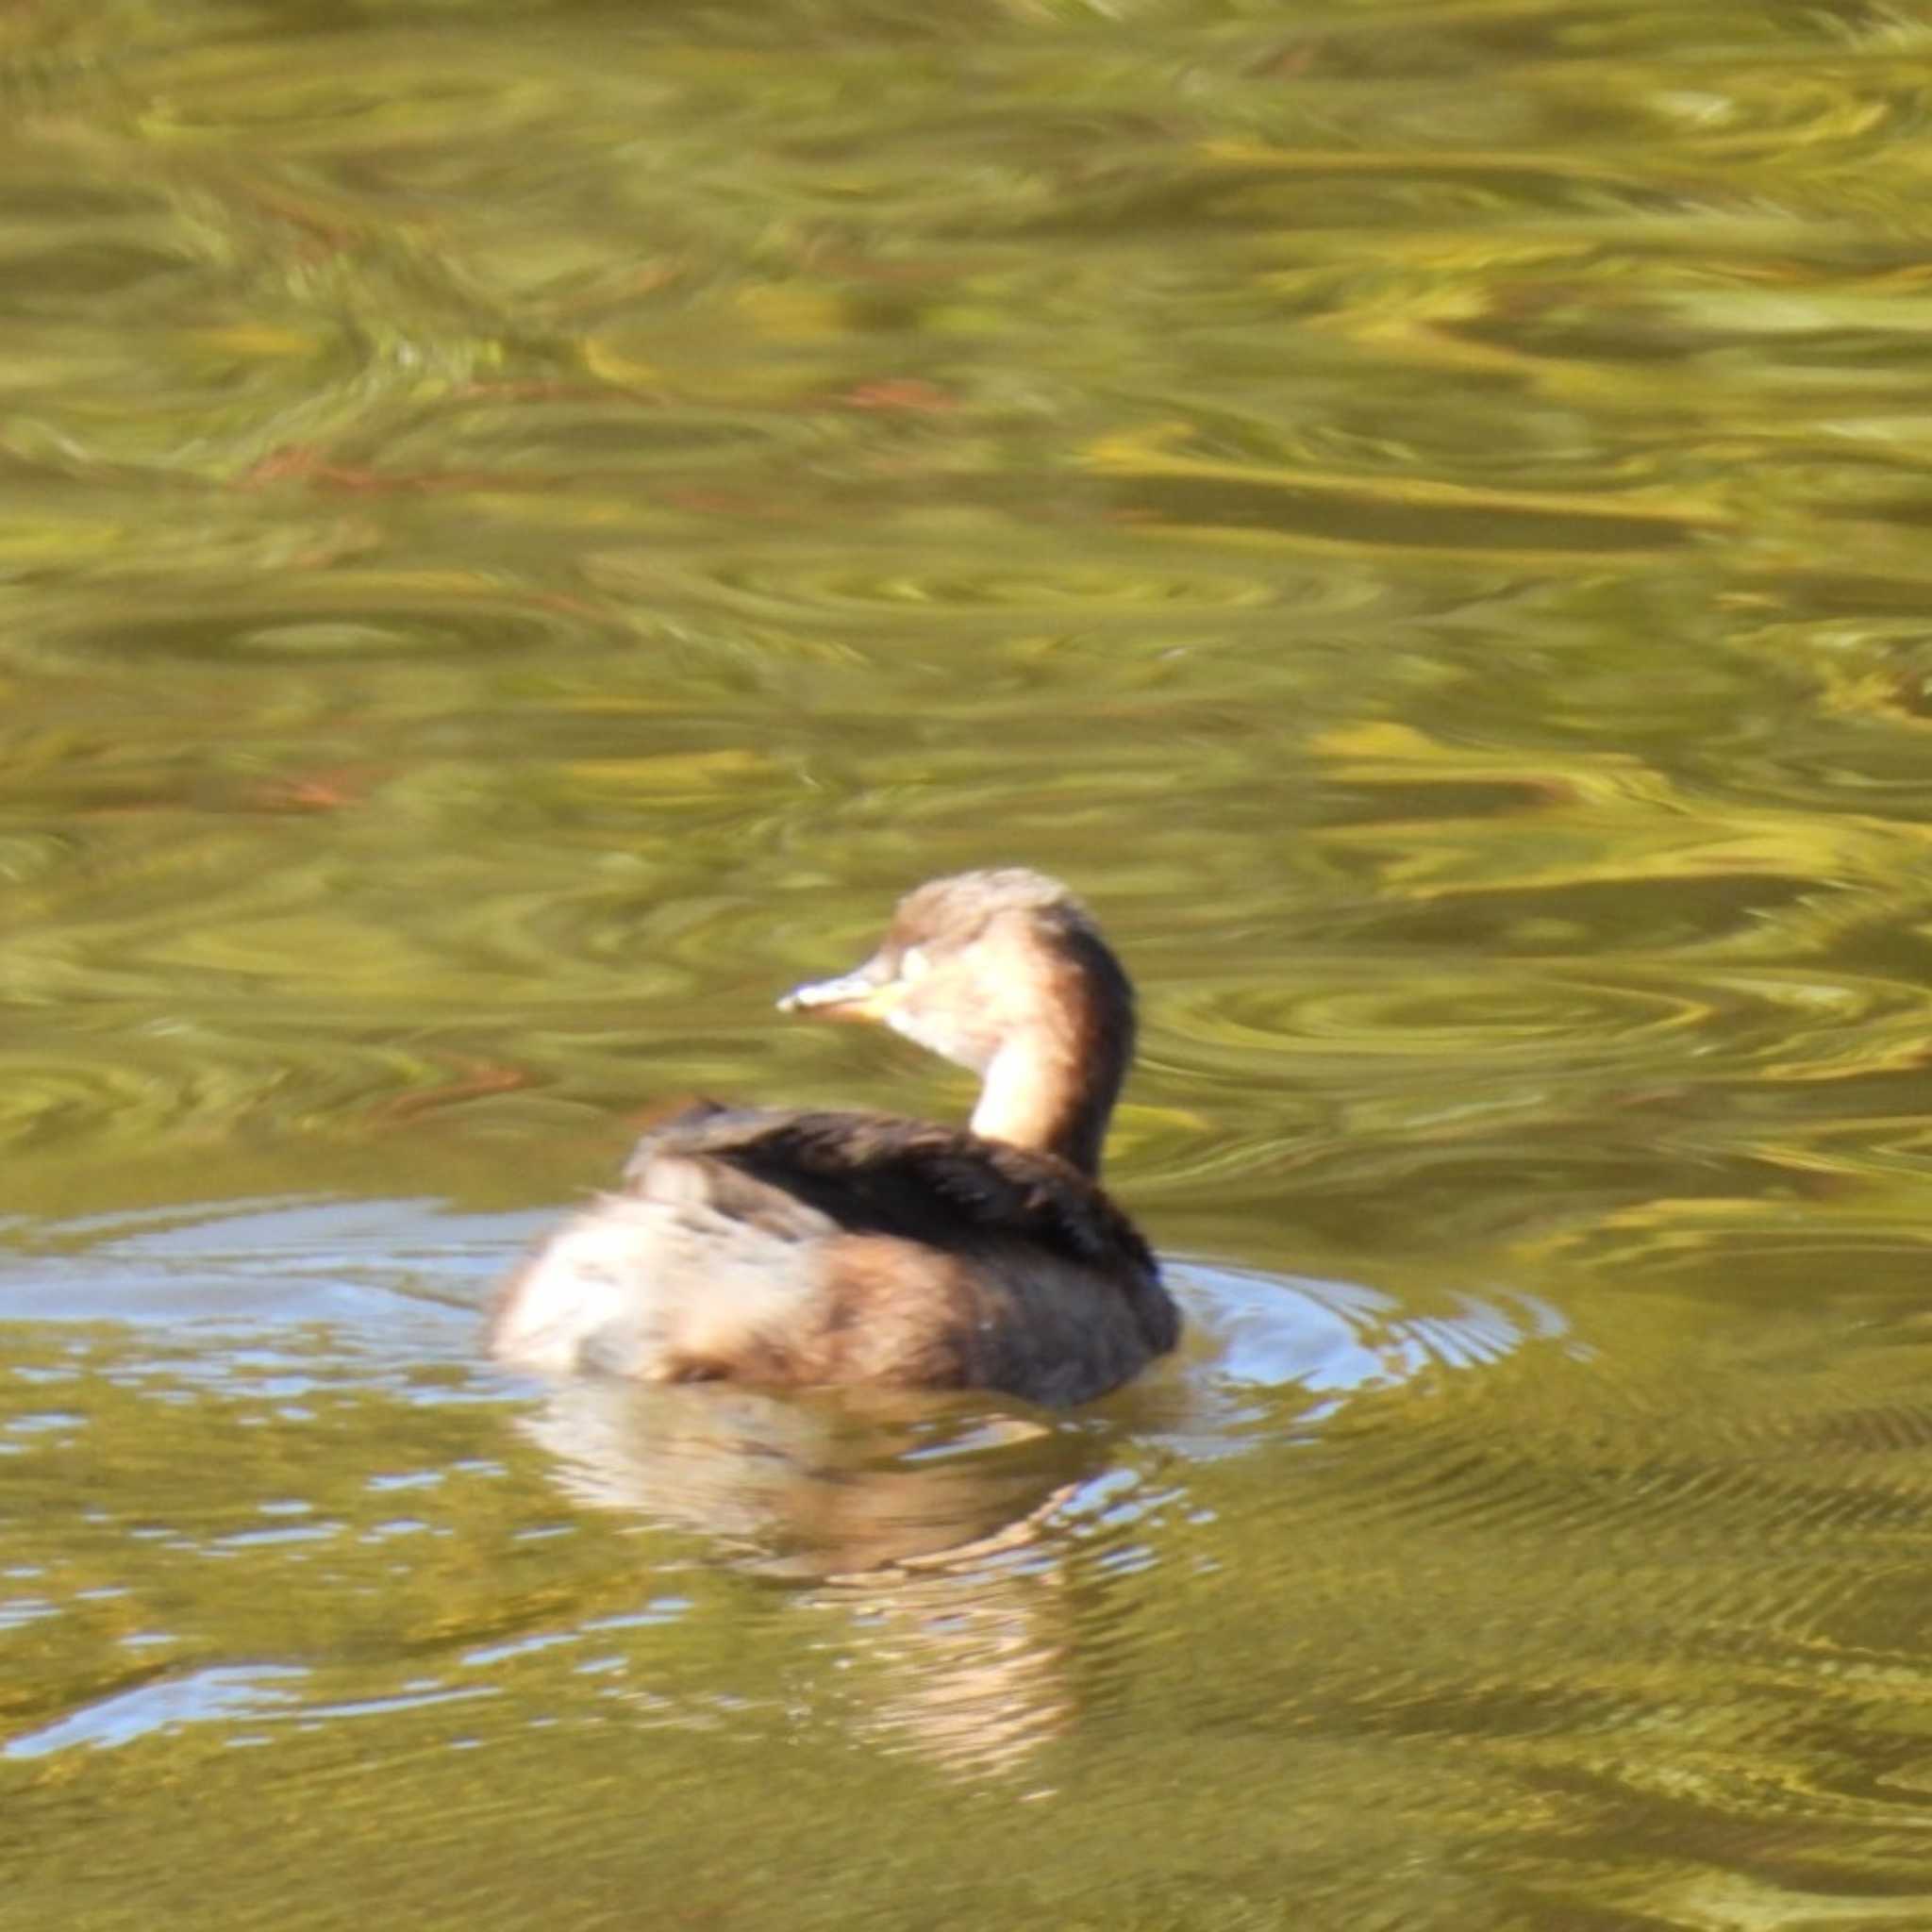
(964, 1659)
(814, 1485)
(922, 1525)
(939, 1536)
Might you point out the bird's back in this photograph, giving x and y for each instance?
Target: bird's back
(804, 1247)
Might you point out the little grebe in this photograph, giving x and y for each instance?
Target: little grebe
(772, 1247)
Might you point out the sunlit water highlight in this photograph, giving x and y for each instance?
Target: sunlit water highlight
(521, 530)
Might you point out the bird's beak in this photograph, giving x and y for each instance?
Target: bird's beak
(864, 993)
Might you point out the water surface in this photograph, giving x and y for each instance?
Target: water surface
(521, 529)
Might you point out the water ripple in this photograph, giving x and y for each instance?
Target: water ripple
(379, 619)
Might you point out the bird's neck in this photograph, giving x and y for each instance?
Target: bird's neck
(1051, 1094)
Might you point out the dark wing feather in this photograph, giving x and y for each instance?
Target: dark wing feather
(876, 1173)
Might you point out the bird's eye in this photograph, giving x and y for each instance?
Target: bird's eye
(913, 964)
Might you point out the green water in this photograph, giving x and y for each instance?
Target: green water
(522, 528)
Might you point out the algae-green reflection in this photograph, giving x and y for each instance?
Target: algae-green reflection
(521, 528)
